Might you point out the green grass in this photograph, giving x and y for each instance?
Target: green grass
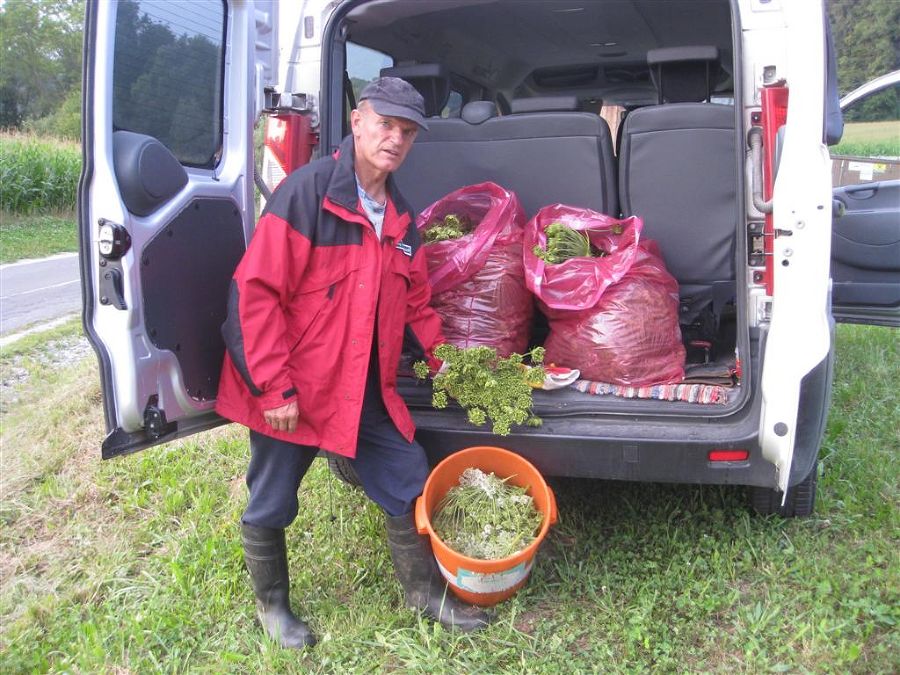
(38, 174)
(870, 139)
(36, 236)
(134, 565)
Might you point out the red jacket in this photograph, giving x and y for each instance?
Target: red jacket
(302, 308)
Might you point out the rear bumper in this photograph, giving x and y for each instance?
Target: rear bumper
(615, 448)
(635, 447)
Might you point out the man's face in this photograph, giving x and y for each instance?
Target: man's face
(381, 142)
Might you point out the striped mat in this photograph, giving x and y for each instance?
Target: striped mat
(688, 393)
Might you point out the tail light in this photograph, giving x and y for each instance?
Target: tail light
(729, 455)
(774, 116)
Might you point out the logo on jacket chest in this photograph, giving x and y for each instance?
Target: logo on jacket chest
(404, 248)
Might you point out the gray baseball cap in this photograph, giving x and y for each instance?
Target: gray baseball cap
(393, 97)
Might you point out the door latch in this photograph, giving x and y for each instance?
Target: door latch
(114, 239)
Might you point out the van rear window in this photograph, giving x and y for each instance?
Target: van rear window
(168, 73)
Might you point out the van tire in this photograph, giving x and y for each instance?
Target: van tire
(800, 502)
(343, 470)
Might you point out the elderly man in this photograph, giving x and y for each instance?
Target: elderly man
(332, 280)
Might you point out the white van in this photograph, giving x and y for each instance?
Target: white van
(709, 119)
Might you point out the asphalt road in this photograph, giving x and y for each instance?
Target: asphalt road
(36, 291)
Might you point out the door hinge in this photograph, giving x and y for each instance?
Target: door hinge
(277, 102)
(154, 419)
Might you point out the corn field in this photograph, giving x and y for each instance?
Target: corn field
(38, 174)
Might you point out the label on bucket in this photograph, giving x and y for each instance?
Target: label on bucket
(479, 582)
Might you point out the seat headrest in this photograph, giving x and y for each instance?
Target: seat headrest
(476, 112)
(683, 74)
(544, 104)
(430, 79)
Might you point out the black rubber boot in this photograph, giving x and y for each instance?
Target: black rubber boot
(265, 555)
(425, 588)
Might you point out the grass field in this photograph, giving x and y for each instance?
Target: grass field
(134, 565)
(870, 139)
(36, 235)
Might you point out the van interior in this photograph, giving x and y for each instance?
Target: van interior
(623, 107)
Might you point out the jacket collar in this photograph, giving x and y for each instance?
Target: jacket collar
(342, 190)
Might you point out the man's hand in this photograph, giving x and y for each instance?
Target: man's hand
(284, 418)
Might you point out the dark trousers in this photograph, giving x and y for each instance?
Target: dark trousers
(392, 471)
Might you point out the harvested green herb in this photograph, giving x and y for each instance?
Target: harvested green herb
(451, 227)
(486, 517)
(487, 387)
(564, 243)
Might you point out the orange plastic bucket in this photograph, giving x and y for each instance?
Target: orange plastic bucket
(484, 582)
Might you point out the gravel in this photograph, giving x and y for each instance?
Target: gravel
(54, 354)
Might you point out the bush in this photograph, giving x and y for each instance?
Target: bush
(38, 174)
(65, 122)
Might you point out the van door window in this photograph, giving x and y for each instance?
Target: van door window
(869, 150)
(454, 105)
(365, 64)
(168, 74)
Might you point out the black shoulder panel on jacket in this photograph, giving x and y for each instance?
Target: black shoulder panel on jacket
(399, 200)
(333, 231)
(298, 201)
(412, 238)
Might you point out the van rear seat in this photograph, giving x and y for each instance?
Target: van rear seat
(544, 157)
(677, 171)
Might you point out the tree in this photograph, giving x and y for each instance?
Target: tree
(40, 56)
(866, 39)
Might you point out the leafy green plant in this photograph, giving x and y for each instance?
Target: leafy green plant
(564, 243)
(486, 517)
(487, 387)
(451, 227)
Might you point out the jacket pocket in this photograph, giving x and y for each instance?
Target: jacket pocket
(324, 276)
(398, 263)
(314, 298)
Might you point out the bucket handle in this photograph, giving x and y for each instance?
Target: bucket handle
(553, 516)
(422, 517)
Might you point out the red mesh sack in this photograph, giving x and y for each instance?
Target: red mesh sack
(614, 318)
(478, 281)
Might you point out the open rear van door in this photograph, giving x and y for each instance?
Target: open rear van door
(166, 208)
(865, 237)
